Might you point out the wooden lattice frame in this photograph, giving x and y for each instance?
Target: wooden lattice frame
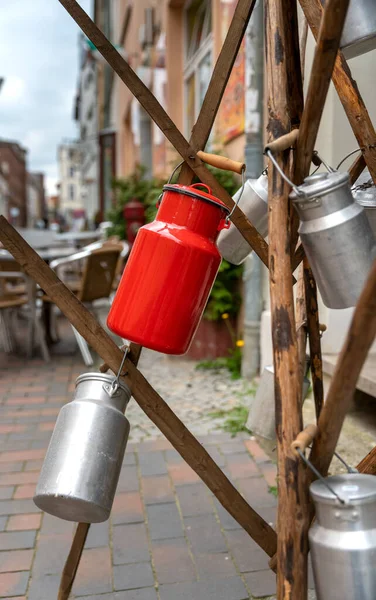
(285, 111)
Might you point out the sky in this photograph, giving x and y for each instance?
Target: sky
(39, 63)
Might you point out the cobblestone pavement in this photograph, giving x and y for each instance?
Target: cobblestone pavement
(168, 538)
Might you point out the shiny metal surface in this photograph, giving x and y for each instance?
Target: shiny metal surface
(343, 538)
(254, 203)
(364, 193)
(359, 32)
(81, 469)
(336, 236)
(261, 418)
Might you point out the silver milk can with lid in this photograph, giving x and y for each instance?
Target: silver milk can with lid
(359, 31)
(254, 204)
(364, 193)
(82, 465)
(336, 236)
(343, 538)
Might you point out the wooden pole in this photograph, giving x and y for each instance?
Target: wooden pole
(147, 398)
(357, 169)
(301, 325)
(314, 336)
(165, 123)
(350, 362)
(73, 560)
(348, 92)
(368, 464)
(283, 71)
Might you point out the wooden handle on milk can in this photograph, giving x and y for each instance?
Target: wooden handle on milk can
(304, 439)
(221, 162)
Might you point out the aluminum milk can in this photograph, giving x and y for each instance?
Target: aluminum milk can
(170, 271)
(336, 236)
(254, 204)
(81, 468)
(261, 417)
(364, 193)
(359, 32)
(343, 538)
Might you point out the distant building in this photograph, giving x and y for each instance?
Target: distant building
(36, 199)
(13, 167)
(87, 119)
(71, 196)
(4, 192)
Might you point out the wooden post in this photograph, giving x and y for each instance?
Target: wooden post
(148, 399)
(348, 92)
(284, 84)
(368, 464)
(350, 362)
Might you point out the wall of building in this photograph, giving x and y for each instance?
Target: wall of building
(36, 201)
(13, 163)
(70, 192)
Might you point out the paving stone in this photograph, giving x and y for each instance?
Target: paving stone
(11, 467)
(51, 554)
(269, 471)
(261, 583)
(24, 522)
(227, 521)
(128, 577)
(128, 480)
(247, 554)
(3, 522)
(172, 561)
(157, 490)
(17, 540)
(236, 446)
(6, 492)
(173, 457)
(44, 587)
(142, 594)
(13, 583)
(16, 560)
(16, 507)
(98, 536)
(94, 574)
(130, 544)
(24, 491)
(164, 521)
(256, 451)
(152, 463)
(194, 500)
(256, 491)
(214, 565)
(231, 588)
(241, 465)
(182, 473)
(127, 508)
(204, 534)
(52, 524)
(129, 459)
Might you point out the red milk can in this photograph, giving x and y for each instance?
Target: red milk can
(170, 271)
(134, 216)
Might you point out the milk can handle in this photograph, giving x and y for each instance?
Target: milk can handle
(297, 191)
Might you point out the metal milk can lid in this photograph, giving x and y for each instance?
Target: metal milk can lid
(320, 184)
(364, 190)
(354, 488)
(105, 380)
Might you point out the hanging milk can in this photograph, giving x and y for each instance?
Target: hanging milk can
(364, 193)
(343, 537)
(359, 32)
(336, 236)
(254, 204)
(81, 468)
(170, 271)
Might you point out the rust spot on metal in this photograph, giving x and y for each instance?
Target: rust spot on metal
(282, 329)
(279, 51)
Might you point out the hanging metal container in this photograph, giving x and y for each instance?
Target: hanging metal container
(343, 538)
(364, 193)
(254, 204)
(171, 270)
(81, 468)
(261, 417)
(359, 32)
(336, 236)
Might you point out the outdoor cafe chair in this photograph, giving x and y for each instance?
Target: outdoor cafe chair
(13, 299)
(100, 265)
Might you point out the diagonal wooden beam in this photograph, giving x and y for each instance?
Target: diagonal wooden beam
(220, 76)
(165, 123)
(147, 398)
(348, 92)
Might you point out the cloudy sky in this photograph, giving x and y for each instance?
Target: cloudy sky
(38, 59)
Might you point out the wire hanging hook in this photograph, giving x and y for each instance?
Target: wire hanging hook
(115, 384)
(297, 191)
(238, 199)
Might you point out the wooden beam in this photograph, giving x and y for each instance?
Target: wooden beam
(357, 169)
(368, 464)
(283, 72)
(354, 352)
(165, 123)
(220, 76)
(348, 92)
(73, 560)
(147, 398)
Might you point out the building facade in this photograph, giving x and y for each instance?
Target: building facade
(87, 120)
(13, 167)
(71, 197)
(36, 198)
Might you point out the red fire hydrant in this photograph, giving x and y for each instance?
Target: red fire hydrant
(134, 216)
(170, 271)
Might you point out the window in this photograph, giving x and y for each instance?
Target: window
(198, 57)
(71, 171)
(71, 192)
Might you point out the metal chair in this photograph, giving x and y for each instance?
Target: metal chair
(10, 304)
(100, 265)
